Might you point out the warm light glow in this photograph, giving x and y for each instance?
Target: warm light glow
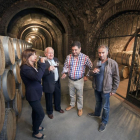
(35, 29)
(32, 36)
(29, 39)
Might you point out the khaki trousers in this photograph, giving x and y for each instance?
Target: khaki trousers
(76, 89)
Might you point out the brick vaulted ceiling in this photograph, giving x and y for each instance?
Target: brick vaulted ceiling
(59, 22)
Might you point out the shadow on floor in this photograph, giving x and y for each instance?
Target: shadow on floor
(124, 123)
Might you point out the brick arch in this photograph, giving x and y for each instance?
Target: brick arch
(25, 4)
(40, 4)
(112, 8)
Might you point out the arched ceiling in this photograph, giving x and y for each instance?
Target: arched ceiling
(70, 19)
(35, 21)
(118, 33)
(60, 22)
(38, 22)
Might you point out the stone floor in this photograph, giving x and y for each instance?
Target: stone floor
(124, 122)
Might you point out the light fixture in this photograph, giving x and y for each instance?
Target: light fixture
(35, 29)
(32, 36)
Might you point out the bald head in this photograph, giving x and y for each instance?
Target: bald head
(49, 53)
(47, 49)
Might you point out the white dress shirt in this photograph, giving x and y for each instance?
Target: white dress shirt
(53, 63)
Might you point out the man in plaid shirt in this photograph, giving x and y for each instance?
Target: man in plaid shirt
(74, 67)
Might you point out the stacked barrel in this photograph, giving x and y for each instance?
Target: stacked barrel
(124, 60)
(12, 89)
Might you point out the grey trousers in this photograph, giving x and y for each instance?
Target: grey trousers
(76, 89)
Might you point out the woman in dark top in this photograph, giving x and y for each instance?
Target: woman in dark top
(32, 80)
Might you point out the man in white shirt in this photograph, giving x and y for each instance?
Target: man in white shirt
(51, 83)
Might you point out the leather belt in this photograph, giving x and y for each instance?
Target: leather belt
(75, 79)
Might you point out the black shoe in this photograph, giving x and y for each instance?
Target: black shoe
(42, 137)
(42, 129)
(92, 115)
(61, 111)
(50, 116)
(102, 127)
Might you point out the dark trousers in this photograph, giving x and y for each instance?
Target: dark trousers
(57, 99)
(37, 115)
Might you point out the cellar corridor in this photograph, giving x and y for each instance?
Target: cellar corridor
(38, 24)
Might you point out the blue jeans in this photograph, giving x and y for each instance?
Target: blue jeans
(102, 101)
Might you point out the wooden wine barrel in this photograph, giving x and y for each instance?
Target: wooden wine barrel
(16, 48)
(20, 45)
(127, 59)
(25, 45)
(123, 71)
(19, 62)
(2, 59)
(9, 128)
(22, 89)
(16, 71)
(16, 103)
(2, 110)
(8, 85)
(119, 57)
(8, 50)
(122, 58)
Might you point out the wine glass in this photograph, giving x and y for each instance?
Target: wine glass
(41, 57)
(56, 64)
(98, 65)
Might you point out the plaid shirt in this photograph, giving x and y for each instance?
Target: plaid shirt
(76, 67)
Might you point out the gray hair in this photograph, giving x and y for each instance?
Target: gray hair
(48, 48)
(103, 46)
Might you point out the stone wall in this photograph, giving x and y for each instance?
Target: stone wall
(84, 20)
